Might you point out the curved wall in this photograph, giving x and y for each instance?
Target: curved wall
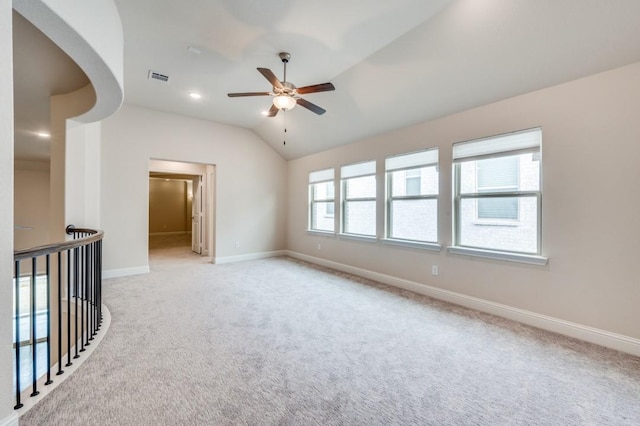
(91, 34)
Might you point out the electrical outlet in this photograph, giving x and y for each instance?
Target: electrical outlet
(434, 269)
(237, 244)
(319, 246)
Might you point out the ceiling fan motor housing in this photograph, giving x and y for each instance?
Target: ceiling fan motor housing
(287, 89)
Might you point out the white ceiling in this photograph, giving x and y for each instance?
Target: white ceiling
(393, 62)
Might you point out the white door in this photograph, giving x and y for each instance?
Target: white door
(196, 216)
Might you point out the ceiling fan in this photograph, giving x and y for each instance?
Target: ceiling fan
(286, 95)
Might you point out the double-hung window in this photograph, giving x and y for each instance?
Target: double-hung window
(359, 198)
(321, 201)
(497, 197)
(412, 196)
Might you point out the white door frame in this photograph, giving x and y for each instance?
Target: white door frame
(206, 173)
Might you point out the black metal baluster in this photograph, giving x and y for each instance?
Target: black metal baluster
(60, 370)
(81, 288)
(86, 293)
(76, 273)
(92, 290)
(99, 282)
(17, 312)
(69, 363)
(48, 342)
(34, 336)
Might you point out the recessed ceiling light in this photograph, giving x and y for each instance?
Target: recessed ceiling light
(195, 95)
(43, 134)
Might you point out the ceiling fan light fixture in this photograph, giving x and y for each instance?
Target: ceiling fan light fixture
(284, 102)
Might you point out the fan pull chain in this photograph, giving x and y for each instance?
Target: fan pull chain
(284, 142)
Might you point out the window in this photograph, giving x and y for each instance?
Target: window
(412, 181)
(498, 175)
(412, 196)
(497, 198)
(321, 201)
(359, 198)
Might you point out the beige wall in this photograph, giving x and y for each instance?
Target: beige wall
(591, 155)
(250, 183)
(31, 204)
(168, 206)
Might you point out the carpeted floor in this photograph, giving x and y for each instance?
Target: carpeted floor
(278, 341)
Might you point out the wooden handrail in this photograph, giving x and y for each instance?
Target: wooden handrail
(96, 235)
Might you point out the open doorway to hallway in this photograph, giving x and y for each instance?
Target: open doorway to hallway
(181, 209)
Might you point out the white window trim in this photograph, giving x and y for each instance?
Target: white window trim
(520, 144)
(321, 233)
(411, 244)
(313, 201)
(530, 259)
(417, 160)
(358, 237)
(355, 171)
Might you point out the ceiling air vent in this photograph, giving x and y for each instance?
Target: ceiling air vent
(153, 75)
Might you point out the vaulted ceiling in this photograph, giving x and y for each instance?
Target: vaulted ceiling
(393, 62)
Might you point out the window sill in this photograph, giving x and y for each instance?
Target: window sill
(321, 233)
(500, 255)
(356, 237)
(482, 222)
(412, 244)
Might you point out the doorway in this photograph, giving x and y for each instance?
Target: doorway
(181, 208)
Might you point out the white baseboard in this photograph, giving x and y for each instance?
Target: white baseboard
(250, 256)
(115, 273)
(12, 420)
(590, 334)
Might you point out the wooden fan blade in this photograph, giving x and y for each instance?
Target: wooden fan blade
(236, 95)
(324, 87)
(310, 106)
(273, 111)
(266, 72)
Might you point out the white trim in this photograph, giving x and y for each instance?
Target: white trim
(360, 169)
(124, 272)
(249, 256)
(12, 420)
(318, 233)
(154, 234)
(498, 145)
(29, 401)
(320, 176)
(590, 334)
(411, 244)
(531, 259)
(412, 160)
(358, 237)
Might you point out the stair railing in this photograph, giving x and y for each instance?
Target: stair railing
(57, 306)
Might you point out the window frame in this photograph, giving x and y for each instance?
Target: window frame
(390, 197)
(326, 201)
(344, 199)
(458, 197)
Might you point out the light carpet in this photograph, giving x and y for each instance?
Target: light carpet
(282, 342)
